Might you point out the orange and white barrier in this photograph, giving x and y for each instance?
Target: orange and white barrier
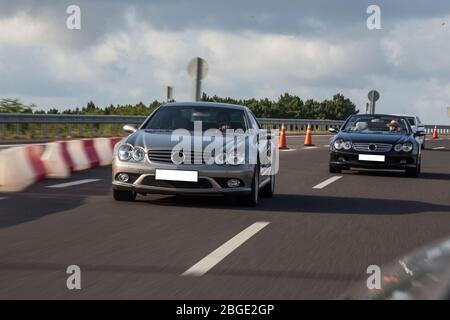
(20, 167)
(23, 165)
(57, 161)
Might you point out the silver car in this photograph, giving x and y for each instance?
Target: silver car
(196, 148)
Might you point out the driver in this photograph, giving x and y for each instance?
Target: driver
(223, 121)
(394, 126)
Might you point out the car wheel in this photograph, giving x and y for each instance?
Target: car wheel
(423, 145)
(269, 189)
(335, 169)
(122, 195)
(252, 199)
(413, 172)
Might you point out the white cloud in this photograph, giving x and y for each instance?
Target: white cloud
(407, 64)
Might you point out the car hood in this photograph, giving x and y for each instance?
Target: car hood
(367, 137)
(162, 140)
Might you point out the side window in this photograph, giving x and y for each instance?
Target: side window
(254, 123)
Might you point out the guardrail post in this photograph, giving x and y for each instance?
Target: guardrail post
(17, 130)
(91, 128)
(3, 130)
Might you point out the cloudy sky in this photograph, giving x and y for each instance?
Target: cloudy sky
(128, 52)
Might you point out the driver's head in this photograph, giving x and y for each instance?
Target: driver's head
(223, 119)
(393, 125)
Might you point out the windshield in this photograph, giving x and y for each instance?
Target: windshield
(376, 124)
(183, 117)
(411, 120)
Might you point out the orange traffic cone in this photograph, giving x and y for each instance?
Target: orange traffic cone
(282, 141)
(435, 133)
(308, 139)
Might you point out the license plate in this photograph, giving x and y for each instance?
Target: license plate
(176, 175)
(371, 157)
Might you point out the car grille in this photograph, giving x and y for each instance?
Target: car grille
(201, 184)
(165, 156)
(372, 147)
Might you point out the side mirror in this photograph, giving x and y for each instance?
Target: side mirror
(420, 133)
(129, 128)
(333, 130)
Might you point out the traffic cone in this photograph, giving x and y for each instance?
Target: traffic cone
(435, 133)
(308, 138)
(282, 140)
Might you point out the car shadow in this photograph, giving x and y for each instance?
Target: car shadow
(292, 203)
(38, 200)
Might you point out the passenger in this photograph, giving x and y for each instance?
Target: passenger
(394, 126)
(223, 121)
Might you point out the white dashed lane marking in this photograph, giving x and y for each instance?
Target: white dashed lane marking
(327, 182)
(212, 259)
(3, 198)
(73, 183)
(438, 148)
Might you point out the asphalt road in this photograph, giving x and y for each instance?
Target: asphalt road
(317, 243)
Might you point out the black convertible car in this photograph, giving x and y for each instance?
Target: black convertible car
(375, 141)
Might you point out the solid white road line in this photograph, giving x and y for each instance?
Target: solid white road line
(307, 148)
(212, 259)
(73, 183)
(438, 148)
(327, 182)
(326, 145)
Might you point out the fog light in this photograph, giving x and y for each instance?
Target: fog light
(233, 183)
(123, 177)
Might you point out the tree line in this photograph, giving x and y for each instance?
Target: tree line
(286, 106)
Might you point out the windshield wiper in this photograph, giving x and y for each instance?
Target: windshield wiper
(158, 130)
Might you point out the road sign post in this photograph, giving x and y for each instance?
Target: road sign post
(373, 98)
(169, 93)
(197, 69)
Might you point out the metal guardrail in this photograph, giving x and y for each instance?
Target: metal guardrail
(52, 125)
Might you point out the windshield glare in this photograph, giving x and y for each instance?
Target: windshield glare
(379, 125)
(183, 117)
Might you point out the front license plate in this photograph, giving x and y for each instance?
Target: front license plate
(176, 175)
(371, 157)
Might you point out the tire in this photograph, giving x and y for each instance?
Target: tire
(252, 199)
(413, 172)
(122, 195)
(423, 145)
(335, 168)
(269, 189)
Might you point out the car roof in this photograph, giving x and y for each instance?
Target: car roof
(405, 115)
(204, 104)
(382, 115)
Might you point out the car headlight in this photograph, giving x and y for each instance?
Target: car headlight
(398, 147)
(347, 145)
(125, 152)
(138, 154)
(338, 144)
(407, 147)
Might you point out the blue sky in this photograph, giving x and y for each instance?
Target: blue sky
(128, 52)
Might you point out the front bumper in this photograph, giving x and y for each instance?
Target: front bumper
(399, 161)
(212, 179)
